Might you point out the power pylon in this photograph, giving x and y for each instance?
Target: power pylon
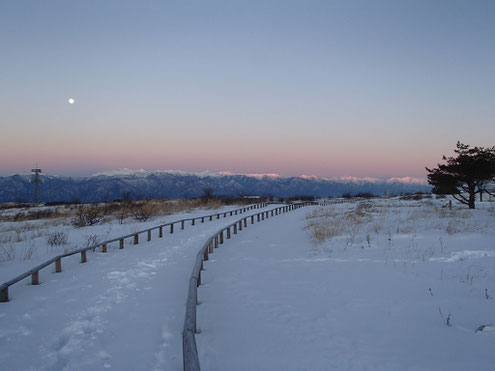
(36, 180)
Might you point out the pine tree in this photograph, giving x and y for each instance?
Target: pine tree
(465, 175)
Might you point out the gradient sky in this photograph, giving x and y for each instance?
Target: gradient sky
(332, 88)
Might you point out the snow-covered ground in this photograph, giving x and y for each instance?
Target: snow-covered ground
(366, 297)
(122, 310)
(344, 287)
(24, 245)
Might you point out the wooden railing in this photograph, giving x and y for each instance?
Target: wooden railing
(34, 273)
(189, 349)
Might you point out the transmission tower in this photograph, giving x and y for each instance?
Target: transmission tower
(36, 180)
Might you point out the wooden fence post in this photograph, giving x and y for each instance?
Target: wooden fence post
(35, 278)
(245, 222)
(240, 225)
(149, 235)
(216, 241)
(203, 219)
(258, 217)
(4, 295)
(205, 256)
(210, 247)
(58, 265)
(221, 237)
(252, 219)
(160, 233)
(104, 247)
(211, 218)
(136, 239)
(121, 243)
(235, 228)
(172, 228)
(83, 257)
(228, 232)
(192, 223)
(182, 224)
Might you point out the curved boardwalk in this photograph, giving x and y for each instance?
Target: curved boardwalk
(270, 300)
(123, 310)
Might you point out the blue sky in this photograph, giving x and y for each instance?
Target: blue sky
(333, 88)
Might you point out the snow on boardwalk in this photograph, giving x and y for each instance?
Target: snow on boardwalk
(123, 310)
(271, 300)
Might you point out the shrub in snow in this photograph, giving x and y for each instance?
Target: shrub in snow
(90, 240)
(57, 239)
(143, 210)
(87, 215)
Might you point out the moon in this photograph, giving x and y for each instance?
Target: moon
(71, 101)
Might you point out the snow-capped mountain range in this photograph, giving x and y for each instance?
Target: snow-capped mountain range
(111, 185)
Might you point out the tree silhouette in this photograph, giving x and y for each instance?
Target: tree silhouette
(465, 175)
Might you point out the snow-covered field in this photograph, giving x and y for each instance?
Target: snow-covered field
(123, 309)
(376, 285)
(360, 288)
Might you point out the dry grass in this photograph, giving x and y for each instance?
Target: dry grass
(120, 210)
(360, 222)
(326, 222)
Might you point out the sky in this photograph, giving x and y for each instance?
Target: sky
(330, 88)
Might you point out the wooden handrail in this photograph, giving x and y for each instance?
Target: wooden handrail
(189, 348)
(34, 272)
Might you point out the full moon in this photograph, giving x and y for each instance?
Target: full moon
(71, 100)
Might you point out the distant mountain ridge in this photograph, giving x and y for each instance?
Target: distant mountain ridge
(113, 185)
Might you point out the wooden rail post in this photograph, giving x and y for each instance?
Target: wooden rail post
(58, 265)
(203, 219)
(160, 232)
(224, 215)
(245, 222)
(228, 233)
(121, 243)
(149, 235)
(218, 216)
(211, 218)
(271, 213)
(252, 219)
(182, 224)
(83, 257)
(240, 225)
(4, 295)
(210, 247)
(172, 228)
(258, 217)
(205, 255)
(235, 228)
(263, 216)
(35, 278)
(104, 247)
(221, 237)
(193, 221)
(136, 239)
(216, 241)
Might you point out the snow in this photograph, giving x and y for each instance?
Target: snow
(122, 310)
(273, 300)
(375, 294)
